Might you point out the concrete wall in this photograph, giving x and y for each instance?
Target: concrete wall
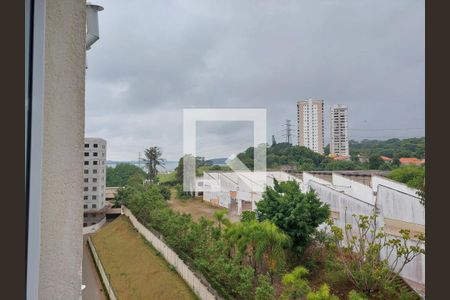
(200, 286)
(103, 274)
(62, 167)
(95, 227)
(377, 180)
(354, 188)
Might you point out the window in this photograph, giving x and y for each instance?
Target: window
(86, 163)
(86, 188)
(85, 215)
(86, 153)
(85, 198)
(85, 206)
(95, 163)
(94, 197)
(95, 145)
(94, 171)
(94, 180)
(94, 205)
(86, 145)
(84, 224)
(95, 153)
(94, 188)
(86, 171)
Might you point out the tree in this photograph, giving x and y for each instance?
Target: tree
(265, 290)
(375, 162)
(152, 160)
(412, 176)
(258, 244)
(221, 219)
(121, 174)
(297, 214)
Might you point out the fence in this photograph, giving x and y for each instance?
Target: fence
(102, 271)
(200, 287)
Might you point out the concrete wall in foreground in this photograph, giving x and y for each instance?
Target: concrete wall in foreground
(62, 167)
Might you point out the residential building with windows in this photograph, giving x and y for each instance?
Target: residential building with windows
(339, 144)
(311, 124)
(94, 179)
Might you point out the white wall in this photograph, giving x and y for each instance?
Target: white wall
(62, 168)
(377, 180)
(308, 177)
(354, 188)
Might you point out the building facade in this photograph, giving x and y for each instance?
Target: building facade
(339, 144)
(94, 189)
(311, 124)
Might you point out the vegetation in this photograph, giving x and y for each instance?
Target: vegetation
(304, 159)
(122, 173)
(358, 254)
(412, 176)
(296, 213)
(278, 252)
(394, 148)
(152, 161)
(134, 267)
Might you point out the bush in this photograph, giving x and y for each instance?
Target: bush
(265, 290)
(295, 285)
(361, 259)
(322, 294)
(354, 295)
(165, 192)
(182, 194)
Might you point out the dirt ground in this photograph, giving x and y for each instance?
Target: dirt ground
(198, 208)
(135, 269)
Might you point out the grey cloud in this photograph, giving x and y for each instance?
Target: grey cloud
(156, 58)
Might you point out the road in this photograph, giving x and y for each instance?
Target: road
(91, 279)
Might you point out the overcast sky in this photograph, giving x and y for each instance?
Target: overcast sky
(155, 58)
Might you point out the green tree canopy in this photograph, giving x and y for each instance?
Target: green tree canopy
(119, 175)
(297, 214)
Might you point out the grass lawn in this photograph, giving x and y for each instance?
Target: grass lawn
(135, 269)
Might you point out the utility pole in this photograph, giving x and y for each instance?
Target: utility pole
(288, 131)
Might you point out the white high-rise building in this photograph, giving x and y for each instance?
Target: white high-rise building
(94, 180)
(339, 130)
(311, 124)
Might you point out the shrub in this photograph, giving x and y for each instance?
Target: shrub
(361, 259)
(322, 294)
(295, 285)
(265, 290)
(354, 295)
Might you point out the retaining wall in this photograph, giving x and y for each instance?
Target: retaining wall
(201, 289)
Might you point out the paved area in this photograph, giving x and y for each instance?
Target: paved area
(94, 288)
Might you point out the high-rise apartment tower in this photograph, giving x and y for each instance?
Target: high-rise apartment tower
(94, 180)
(339, 130)
(311, 124)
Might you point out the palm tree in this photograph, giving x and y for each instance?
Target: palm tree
(261, 244)
(152, 160)
(221, 219)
